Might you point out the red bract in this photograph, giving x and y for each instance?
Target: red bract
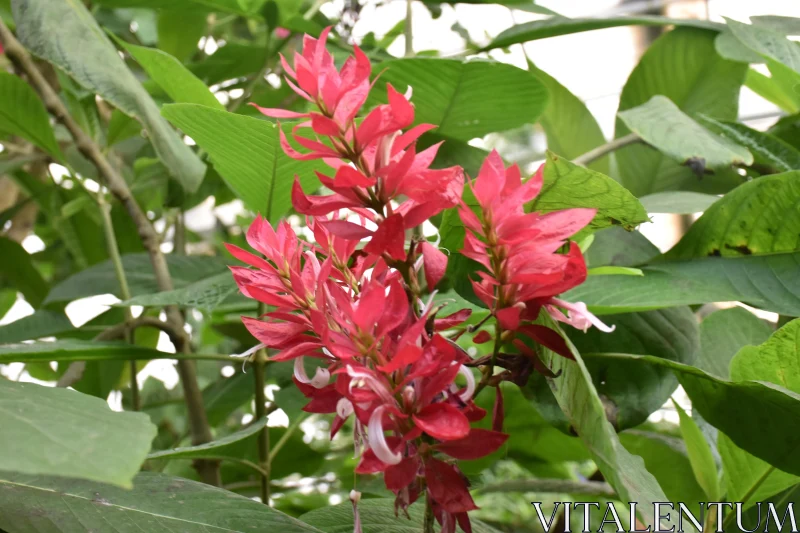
(524, 270)
(377, 170)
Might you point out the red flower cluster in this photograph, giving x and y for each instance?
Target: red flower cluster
(524, 272)
(352, 300)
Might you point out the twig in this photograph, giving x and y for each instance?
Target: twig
(178, 337)
(201, 432)
(429, 519)
(596, 153)
(408, 30)
(558, 486)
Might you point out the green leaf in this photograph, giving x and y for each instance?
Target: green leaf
(586, 412)
(767, 42)
(180, 30)
(466, 99)
(771, 282)
(555, 26)
(615, 246)
(774, 361)
(18, 270)
(666, 458)
(736, 407)
(101, 279)
(59, 432)
(377, 516)
(678, 202)
(77, 350)
(205, 294)
(768, 151)
(42, 323)
(683, 66)
(247, 154)
(723, 333)
(772, 89)
(570, 127)
(567, 185)
(157, 502)
(664, 126)
(759, 217)
(631, 393)
(179, 84)
(66, 34)
(224, 396)
(749, 479)
(23, 114)
(700, 456)
(217, 449)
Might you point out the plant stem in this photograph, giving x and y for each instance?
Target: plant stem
(408, 30)
(201, 432)
(596, 153)
(124, 290)
(286, 436)
(428, 525)
(259, 377)
(498, 343)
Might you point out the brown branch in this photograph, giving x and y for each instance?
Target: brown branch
(201, 432)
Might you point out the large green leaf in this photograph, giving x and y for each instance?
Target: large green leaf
(678, 202)
(247, 154)
(700, 456)
(59, 432)
(759, 417)
(773, 89)
(205, 294)
(771, 282)
(664, 126)
(615, 246)
(567, 185)
(77, 350)
(633, 393)
(217, 449)
(180, 30)
(179, 84)
(377, 516)
(683, 66)
(759, 217)
(157, 502)
(749, 478)
(771, 154)
(18, 270)
(65, 33)
(555, 26)
(586, 412)
(767, 42)
(466, 99)
(723, 333)
(101, 279)
(666, 458)
(23, 114)
(42, 323)
(570, 128)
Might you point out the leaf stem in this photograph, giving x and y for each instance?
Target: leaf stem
(489, 370)
(286, 436)
(198, 422)
(124, 290)
(259, 378)
(596, 153)
(429, 520)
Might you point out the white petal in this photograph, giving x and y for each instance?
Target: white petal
(377, 441)
(470, 390)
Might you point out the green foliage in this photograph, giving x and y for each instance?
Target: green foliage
(24, 114)
(66, 34)
(40, 439)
